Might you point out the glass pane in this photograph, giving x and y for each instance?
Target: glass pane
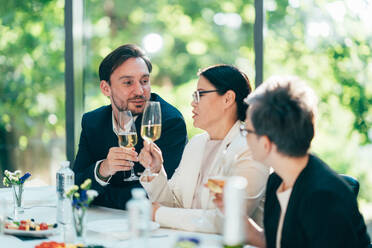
(179, 36)
(318, 41)
(32, 114)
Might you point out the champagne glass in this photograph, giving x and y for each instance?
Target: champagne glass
(151, 126)
(215, 182)
(127, 136)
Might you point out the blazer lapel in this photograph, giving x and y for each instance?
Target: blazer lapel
(222, 159)
(220, 162)
(193, 160)
(111, 138)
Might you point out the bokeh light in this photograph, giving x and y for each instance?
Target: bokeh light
(152, 43)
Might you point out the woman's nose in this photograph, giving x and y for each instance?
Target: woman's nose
(193, 103)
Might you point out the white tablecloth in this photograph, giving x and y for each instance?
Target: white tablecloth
(40, 204)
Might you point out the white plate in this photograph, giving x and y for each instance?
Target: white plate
(115, 227)
(39, 234)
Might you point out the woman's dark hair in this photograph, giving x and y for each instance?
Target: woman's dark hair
(118, 57)
(228, 77)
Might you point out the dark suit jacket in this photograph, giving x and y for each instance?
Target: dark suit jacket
(97, 137)
(322, 211)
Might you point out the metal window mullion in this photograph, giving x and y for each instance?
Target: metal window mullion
(74, 84)
(258, 41)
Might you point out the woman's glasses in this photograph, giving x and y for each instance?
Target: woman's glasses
(198, 93)
(245, 131)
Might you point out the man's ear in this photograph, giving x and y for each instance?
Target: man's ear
(105, 88)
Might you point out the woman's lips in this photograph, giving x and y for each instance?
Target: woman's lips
(194, 114)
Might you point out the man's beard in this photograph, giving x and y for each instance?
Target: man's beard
(124, 105)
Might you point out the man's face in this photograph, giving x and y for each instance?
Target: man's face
(129, 87)
(255, 142)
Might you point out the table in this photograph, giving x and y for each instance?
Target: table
(40, 203)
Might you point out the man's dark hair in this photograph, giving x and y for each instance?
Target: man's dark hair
(118, 57)
(283, 109)
(228, 77)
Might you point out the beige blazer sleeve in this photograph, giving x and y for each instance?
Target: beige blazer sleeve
(256, 175)
(179, 190)
(176, 194)
(192, 220)
(163, 191)
(210, 220)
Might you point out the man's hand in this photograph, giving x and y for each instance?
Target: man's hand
(151, 156)
(118, 159)
(155, 207)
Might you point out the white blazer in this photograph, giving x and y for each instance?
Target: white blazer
(177, 194)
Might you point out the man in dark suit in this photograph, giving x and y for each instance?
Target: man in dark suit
(307, 204)
(125, 79)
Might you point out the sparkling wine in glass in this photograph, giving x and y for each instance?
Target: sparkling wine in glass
(127, 136)
(151, 126)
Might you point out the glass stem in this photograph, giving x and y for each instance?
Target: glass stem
(132, 172)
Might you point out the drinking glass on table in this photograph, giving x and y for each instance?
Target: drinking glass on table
(151, 127)
(127, 135)
(3, 214)
(6, 208)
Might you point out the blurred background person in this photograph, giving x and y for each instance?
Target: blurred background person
(307, 204)
(218, 108)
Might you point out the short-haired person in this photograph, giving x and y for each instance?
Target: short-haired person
(307, 204)
(184, 202)
(125, 79)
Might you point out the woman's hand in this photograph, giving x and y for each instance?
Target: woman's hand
(151, 156)
(218, 201)
(155, 207)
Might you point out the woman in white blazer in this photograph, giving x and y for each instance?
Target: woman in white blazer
(184, 202)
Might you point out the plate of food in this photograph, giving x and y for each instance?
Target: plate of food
(30, 228)
(53, 244)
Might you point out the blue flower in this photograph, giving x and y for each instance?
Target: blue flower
(83, 196)
(74, 202)
(24, 177)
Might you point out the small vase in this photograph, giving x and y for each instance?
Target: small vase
(17, 200)
(79, 215)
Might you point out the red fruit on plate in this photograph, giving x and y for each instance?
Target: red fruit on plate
(43, 226)
(22, 227)
(50, 244)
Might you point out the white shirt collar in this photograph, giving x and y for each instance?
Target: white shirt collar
(114, 121)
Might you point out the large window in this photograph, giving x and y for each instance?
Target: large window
(179, 36)
(32, 117)
(318, 41)
(327, 43)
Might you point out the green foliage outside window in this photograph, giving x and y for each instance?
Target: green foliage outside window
(305, 38)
